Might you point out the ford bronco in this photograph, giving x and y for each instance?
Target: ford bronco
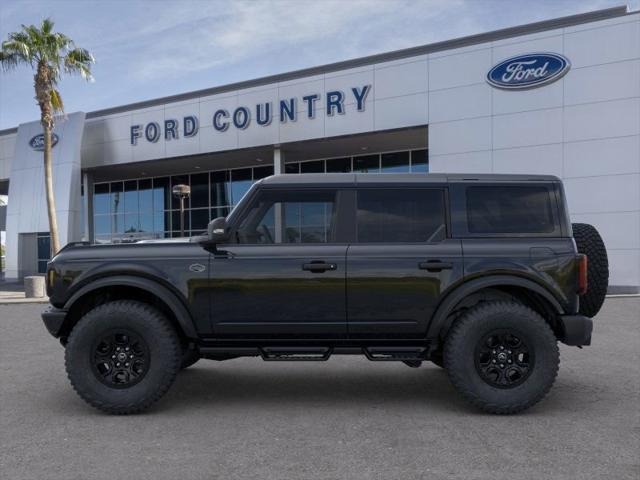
(482, 275)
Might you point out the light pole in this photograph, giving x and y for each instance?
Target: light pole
(182, 192)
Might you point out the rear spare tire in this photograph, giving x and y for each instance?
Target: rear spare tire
(589, 242)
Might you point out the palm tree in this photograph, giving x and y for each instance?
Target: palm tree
(49, 54)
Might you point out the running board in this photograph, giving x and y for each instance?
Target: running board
(300, 354)
(395, 354)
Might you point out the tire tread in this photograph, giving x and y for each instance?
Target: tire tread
(165, 329)
(451, 353)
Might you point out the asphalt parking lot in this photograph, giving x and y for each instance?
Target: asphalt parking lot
(347, 418)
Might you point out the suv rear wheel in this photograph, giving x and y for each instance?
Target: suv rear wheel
(122, 356)
(502, 357)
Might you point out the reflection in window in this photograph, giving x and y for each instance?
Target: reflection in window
(44, 250)
(397, 162)
(366, 164)
(317, 166)
(179, 180)
(241, 180)
(200, 190)
(101, 198)
(339, 165)
(289, 217)
(117, 198)
(161, 194)
(220, 183)
(420, 161)
(131, 196)
(145, 195)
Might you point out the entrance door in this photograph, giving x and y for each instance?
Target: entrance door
(401, 263)
(285, 275)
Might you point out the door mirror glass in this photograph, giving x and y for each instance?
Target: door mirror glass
(217, 230)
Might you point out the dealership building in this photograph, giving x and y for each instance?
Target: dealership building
(558, 97)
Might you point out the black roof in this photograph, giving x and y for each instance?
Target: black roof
(352, 179)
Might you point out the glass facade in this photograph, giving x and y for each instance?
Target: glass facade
(131, 210)
(44, 250)
(414, 161)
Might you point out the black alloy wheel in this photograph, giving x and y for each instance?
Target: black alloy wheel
(503, 359)
(120, 358)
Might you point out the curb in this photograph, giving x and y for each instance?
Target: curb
(17, 301)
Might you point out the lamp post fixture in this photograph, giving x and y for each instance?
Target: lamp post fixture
(182, 192)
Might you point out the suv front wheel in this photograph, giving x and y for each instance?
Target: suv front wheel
(502, 357)
(122, 356)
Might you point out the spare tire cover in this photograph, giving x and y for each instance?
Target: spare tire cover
(589, 242)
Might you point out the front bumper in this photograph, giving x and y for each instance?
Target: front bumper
(576, 330)
(53, 319)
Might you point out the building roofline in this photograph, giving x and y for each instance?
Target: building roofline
(494, 35)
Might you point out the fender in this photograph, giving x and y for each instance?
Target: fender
(164, 294)
(439, 319)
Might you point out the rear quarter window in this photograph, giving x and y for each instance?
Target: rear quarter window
(510, 209)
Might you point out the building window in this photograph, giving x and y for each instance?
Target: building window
(397, 162)
(44, 251)
(420, 161)
(131, 210)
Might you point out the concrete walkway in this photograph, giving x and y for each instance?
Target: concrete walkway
(14, 293)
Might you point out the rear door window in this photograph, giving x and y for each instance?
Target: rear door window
(408, 215)
(509, 209)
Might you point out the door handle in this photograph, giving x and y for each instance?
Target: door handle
(318, 267)
(435, 266)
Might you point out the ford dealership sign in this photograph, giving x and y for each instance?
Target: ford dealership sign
(528, 71)
(37, 142)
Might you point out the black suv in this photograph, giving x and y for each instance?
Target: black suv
(481, 275)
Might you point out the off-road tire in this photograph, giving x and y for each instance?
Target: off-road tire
(589, 242)
(460, 356)
(147, 323)
(189, 357)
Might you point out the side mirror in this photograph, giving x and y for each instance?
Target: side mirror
(217, 230)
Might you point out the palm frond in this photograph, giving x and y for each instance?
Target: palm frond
(47, 26)
(56, 101)
(9, 61)
(19, 48)
(79, 61)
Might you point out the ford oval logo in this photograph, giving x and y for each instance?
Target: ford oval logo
(528, 71)
(37, 142)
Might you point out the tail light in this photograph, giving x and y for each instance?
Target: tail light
(582, 274)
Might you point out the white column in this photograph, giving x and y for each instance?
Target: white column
(87, 221)
(278, 169)
(278, 161)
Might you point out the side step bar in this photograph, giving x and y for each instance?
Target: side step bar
(395, 354)
(319, 353)
(275, 354)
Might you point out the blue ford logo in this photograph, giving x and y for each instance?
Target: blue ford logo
(528, 71)
(37, 142)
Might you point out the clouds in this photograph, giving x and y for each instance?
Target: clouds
(148, 49)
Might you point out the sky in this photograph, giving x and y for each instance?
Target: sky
(150, 49)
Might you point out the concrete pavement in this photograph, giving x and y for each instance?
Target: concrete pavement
(347, 418)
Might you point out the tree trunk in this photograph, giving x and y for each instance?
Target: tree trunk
(51, 201)
(43, 86)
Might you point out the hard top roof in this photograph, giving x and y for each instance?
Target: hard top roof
(324, 179)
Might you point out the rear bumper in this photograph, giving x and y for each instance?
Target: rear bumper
(576, 330)
(53, 319)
